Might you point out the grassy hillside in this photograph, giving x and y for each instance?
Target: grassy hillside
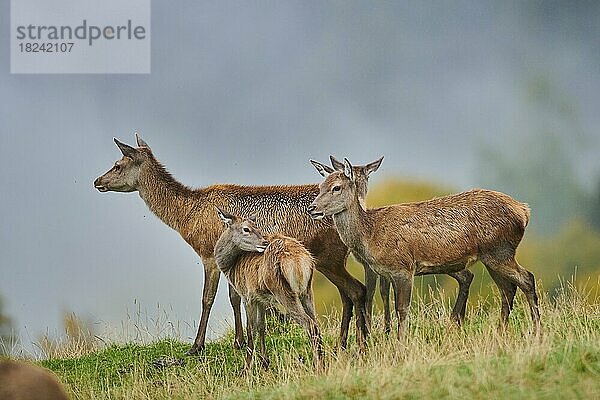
(437, 360)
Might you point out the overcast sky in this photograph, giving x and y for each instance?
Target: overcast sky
(247, 93)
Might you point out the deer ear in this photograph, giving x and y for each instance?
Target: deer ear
(323, 169)
(337, 165)
(140, 141)
(126, 149)
(348, 170)
(374, 166)
(225, 216)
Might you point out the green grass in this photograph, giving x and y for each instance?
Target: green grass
(436, 360)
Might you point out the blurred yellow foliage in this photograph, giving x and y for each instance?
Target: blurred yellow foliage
(395, 190)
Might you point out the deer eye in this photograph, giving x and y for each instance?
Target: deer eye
(336, 188)
(246, 229)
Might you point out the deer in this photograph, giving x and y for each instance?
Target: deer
(20, 380)
(281, 209)
(273, 271)
(441, 235)
(362, 173)
(463, 277)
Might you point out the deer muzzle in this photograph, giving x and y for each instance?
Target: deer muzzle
(312, 210)
(98, 185)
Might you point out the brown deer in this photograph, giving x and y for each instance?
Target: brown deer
(268, 272)
(24, 381)
(441, 235)
(463, 277)
(362, 172)
(281, 209)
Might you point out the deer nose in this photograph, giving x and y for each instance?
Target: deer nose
(98, 185)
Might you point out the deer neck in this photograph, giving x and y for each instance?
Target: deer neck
(353, 226)
(168, 199)
(227, 254)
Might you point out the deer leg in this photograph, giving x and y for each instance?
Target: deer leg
(357, 295)
(251, 314)
(507, 295)
(464, 278)
(308, 304)
(260, 328)
(235, 300)
(508, 273)
(384, 291)
(211, 283)
(402, 282)
(346, 317)
(352, 293)
(528, 288)
(309, 307)
(526, 282)
(272, 312)
(370, 284)
(299, 310)
(316, 341)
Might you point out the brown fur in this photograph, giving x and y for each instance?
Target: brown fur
(266, 274)
(24, 381)
(445, 231)
(443, 235)
(281, 209)
(279, 277)
(361, 180)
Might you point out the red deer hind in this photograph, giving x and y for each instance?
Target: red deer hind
(279, 209)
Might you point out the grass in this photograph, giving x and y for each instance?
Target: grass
(436, 360)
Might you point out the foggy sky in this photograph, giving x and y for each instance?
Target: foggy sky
(247, 93)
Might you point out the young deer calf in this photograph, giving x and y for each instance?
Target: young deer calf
(441, 235)
(275, 272)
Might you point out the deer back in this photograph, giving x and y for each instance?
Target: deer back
(278, 209)
(450, 229)
(285, 268)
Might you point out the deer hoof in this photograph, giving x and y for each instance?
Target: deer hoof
(194, 351)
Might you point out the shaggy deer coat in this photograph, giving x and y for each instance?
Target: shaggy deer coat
(276, 272)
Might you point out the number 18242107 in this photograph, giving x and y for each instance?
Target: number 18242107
(46, 47)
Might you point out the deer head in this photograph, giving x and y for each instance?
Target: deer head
(361, 172)
(124, 175)
(244, 234)
(336, 193)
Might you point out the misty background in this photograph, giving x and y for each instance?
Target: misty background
(503, 95)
